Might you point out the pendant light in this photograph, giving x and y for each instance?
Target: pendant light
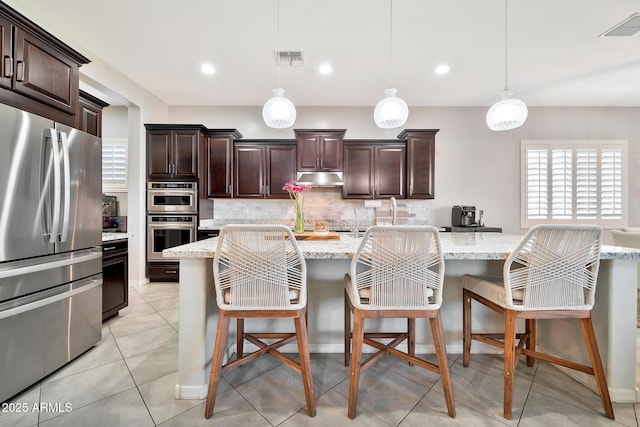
(391, 111)
(508, 113)
(278, 112)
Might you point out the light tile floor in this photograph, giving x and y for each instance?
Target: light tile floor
(128, 380)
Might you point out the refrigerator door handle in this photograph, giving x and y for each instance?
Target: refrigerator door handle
(67, 187)
(55, 227)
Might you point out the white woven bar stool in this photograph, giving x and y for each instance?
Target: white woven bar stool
(397, 272)
(551, 274)
(259, 272)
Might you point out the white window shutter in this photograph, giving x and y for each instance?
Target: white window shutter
(586, 183)
(611, 183)
(574, 182)
(561, 184)
(114, 165)
(537, 179)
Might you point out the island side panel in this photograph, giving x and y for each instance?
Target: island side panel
(325, 279)
(198, 322)
(614, 320)
(483, 319)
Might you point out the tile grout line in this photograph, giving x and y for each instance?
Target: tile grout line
(134, 381)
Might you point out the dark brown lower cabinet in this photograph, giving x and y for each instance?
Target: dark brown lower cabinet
(163, 271)
(207, 234)
(115, 277)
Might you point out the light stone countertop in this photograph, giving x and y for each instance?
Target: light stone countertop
(455, 246)
(108, 237)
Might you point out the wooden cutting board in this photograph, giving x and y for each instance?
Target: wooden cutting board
(311, 235)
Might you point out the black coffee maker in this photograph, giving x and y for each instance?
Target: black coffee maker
(463, 216)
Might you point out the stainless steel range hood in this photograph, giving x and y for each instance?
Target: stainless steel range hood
(321, 179)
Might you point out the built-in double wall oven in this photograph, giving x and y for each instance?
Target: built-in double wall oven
(172, 218)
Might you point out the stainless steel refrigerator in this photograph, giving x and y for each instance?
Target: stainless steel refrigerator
(50, 247)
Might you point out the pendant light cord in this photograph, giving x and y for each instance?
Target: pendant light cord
(390, 43)
(278, 42)
(506, 87)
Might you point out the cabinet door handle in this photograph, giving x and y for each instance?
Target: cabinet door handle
(8, 66)
(110, 248)
(20, 71)
(171, 271)
(321, 166)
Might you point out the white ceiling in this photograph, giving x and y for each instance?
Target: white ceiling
(555, 56)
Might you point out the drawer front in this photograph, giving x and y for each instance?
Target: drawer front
(114, 247)
(163, 271)
(207, 234)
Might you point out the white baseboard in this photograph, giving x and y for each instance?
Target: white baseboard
(139, 282)
(618, 395)
(190, 392)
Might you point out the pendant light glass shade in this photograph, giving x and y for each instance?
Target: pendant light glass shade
(391, 112)
(278, 112)
(508, 113)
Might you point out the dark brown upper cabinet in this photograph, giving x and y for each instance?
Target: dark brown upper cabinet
(261, 170)
(319, 150)
(218, 152)
(39, 73)
(172, 151)
(89, 116)
(6, 66)
(374, 170)
(420, 162)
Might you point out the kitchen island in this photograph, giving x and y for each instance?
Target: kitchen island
(614, 314)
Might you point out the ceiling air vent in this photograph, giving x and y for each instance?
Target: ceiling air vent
(628, 27)
(290, 58)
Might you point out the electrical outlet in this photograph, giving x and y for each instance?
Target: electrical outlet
(372, 203)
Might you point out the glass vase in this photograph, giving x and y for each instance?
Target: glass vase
(299, 226)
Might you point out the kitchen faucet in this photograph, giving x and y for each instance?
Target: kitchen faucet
(392, 210)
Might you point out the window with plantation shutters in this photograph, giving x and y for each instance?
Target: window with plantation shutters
(114, 165)
(574, 182)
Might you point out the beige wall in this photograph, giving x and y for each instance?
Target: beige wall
(474, 165)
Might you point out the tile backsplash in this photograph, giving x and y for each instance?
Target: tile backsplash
(319, 204)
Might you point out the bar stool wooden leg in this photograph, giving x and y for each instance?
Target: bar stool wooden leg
(466, 328)
(443, 363)
(411, 339)
(239, 338)
(216, 362)
(356, 354)
(530, 329)
(305, 363)
(509, 359)
(596, 363)
(347, 329)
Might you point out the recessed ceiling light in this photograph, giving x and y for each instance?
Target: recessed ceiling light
(208, 69)
(442, 69)
(325, 69)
